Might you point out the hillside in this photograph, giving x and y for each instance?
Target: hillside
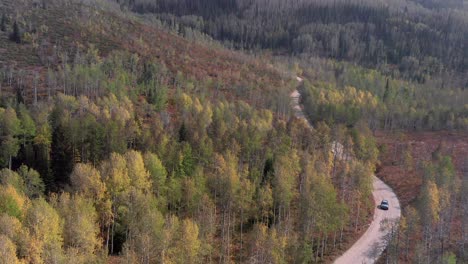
(415, 40)
(409, 160)
(139, 145)
(163, 131)
(52, 36)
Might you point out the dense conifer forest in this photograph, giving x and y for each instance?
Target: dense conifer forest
(399, 37)
(147, 131)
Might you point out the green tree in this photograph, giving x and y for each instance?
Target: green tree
(192, 192)
(264, 202)
(321, 213)
(28, 127)
(145, 229)
(80, 227)
(157, 172)
(186, 161)
(286, 172)
(449, 258)
(409, 225)
(361, 176)
(15, 34)
(42, 144)
(445, 174)
(10, 129)
(12, 178)
(188, 243)
(226, 186)
(12, 202)
(183, 244)
(139, 176)
(34, 186)
(45, 229)
(267, 246)
(157, 95)
(429, 209)
(114, 173)
(407, 163)
(227, 179)
(3, 23)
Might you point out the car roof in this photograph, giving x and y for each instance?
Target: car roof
(384, 201)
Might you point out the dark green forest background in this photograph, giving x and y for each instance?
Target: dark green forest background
(400, 38)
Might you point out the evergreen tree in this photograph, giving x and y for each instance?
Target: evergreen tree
(3, 23)
(34, 186)
(16, 34)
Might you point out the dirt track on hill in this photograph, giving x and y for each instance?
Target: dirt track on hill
(374, 241)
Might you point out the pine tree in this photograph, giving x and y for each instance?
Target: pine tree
(386, 95)
(3, 23)
(15, 35)
(34, 186)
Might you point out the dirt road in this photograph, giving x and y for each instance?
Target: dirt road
(370, 245)
(298, 111)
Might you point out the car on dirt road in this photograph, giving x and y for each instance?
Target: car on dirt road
(384, 205)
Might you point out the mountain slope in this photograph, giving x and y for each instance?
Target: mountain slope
(398, 36)
(48, 34)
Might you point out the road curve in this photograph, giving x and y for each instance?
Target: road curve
(373, 242)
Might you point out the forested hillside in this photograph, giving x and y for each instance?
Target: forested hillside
(401, 38)
(428, 171)
(348, 93)
(123, 142)
(150, 131)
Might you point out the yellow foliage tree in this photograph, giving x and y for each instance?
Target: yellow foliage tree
(86, 180)
(7, 251)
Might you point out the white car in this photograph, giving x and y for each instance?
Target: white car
(384, 205)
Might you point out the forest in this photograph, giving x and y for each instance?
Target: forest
(159, 165)
(162, 131)
(337, 91)
(401, 38)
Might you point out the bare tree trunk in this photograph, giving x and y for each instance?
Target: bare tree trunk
(228, 236)
(241, 231)
(341, 233)
(407, 245)
(312, 245)
(323, 246)
(334, 240)
(357, 215)
(112, 237)
(318, 248)
(107, 237)
(35, 87)
(397, 248)
(223, 238)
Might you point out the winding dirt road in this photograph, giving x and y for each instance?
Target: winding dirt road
(373, 242)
